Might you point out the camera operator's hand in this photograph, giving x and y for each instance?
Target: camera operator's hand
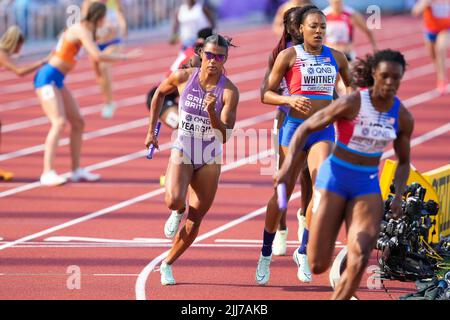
(396, 207)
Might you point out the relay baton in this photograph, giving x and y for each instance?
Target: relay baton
(281, 193)
(151, 149)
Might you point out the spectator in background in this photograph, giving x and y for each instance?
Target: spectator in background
(191, 17)
(278, 25)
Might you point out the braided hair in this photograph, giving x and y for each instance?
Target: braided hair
(289, 15)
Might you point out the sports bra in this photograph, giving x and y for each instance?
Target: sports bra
(313, 76)
(371, 131)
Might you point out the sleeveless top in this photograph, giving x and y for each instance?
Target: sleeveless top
(191, 21)
(194, 126)
(436, 16)
(313, 76)
(339, 26)
(66, 50)
(371, 131)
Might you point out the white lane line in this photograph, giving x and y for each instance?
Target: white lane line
(126, 203)
(123, 103)
(103, 240)
(145, 273)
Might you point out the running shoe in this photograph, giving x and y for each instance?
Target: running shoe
(263, 269)
(108, 110)
(279, 243)
(301, 224)
(172, 224)
(51, 178)
(303, 272)
(82, 174)
(167, 278)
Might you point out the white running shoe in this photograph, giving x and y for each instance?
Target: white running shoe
(82, 174)
(279, 243)
(301, 225)
(263, 270)
(108, 110)
(51, 178)
(172, 224)
(167, 278)
(303, 272)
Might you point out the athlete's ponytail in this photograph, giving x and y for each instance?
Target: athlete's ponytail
(289, 15)
(96, 12)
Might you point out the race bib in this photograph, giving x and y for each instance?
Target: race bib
(318, 79)
(195, 126)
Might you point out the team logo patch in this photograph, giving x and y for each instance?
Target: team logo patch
(365, 131)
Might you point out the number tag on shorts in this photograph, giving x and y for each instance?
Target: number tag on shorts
(47, 92)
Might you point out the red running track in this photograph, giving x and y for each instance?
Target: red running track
(113, 230)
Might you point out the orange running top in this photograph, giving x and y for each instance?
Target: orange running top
(436, 16)
(67, 51)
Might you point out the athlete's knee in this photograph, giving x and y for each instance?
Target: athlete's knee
(77, 124)
(58, 124)
(174, 201)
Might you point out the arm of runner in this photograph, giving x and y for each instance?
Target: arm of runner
(227, 120)
(166, 87)
(264, 83)
(282, 64)
(94, 52)
(344, 69)
(420, 7)
(402, 147)
(359, 22)
(21, 71)
(344, 107)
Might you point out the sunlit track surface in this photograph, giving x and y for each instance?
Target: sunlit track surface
(104, 228)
